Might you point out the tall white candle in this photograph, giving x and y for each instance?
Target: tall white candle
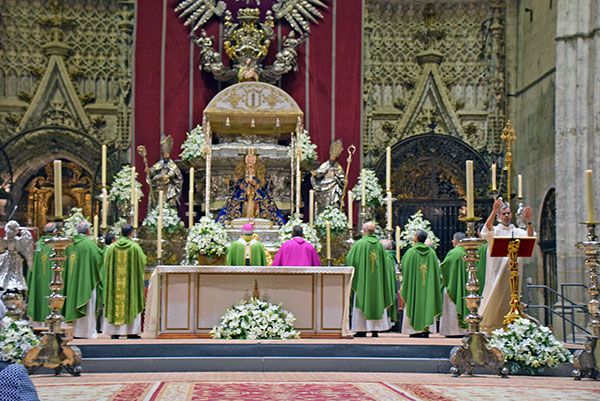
(207, 183)
(135, 208)
(470, 193)
(298, 185)
(311, 207)
(520, 186)
(328, 238)
(494, 176)
(159, 225)
(132, 184)
(58, 211)
(389, 211)
(95, 232)
(363, 192)
(589, 197)
(191, 200)
(398, 243)
(388, 168)
(350, 209)
(104, 208)
(103, 168)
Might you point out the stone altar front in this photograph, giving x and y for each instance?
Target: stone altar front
(187, 301)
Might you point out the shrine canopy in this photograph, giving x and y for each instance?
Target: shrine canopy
(253, 108)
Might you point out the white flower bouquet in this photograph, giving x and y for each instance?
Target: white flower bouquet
(206, 237)
(309, 149)
(255, 319)
(310, 234)
(373, 190)
(171, 221)
(528, 347)
(194, 145)
(16, 338)
(415, 223)
(116, 228)
(70, 225)
(120, 190)
(338, 220)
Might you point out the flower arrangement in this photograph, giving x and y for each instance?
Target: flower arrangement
(116, 228)
(253, 319)
(207, 237)
(417, 222)
(120, 191)
(373, 190)
(16, 338)
(171, 221)
(194, 145)
(310, 234)
(70, 225)
(338, 220)
(309, 149)
(529, 347)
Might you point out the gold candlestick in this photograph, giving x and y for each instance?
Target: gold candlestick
(508, 136)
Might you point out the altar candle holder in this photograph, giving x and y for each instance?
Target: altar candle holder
(475, 350)
(586, 362)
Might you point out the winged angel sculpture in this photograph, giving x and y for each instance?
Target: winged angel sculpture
(246, 41)
(18, 249)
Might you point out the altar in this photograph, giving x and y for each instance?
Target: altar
(187, 301)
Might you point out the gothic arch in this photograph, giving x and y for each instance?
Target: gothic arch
(547, 245)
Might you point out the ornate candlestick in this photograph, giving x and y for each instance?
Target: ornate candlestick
(53, 351)
(475, 350)
(586, 362)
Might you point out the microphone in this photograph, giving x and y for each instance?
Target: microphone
(13, 212)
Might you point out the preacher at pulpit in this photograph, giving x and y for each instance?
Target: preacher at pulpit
(247, 250)
(495, 302)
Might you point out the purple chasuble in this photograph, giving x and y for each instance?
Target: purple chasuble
(297, 252)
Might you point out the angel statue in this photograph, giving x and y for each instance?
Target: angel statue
(165, 176)
(18, 249)
(328, 180)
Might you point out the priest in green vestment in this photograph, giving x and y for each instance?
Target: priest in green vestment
(372, 284)
(481, 264)
(247, 250)
(421, 288)
(39, 276)
(123, 284)
(82, 272)
(454, 280)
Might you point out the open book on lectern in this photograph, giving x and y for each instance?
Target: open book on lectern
(499, 246)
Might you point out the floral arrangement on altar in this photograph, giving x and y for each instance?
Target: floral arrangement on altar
(116, 228)
(373, 190)
(207, 237)
(310, 234)
(338, 220)
(171, 221)
(254, 319)
(193, 146)
(528, 347)
(417, 222)
(120, 190)
(70, 225)
(309, 149)
(16, 338)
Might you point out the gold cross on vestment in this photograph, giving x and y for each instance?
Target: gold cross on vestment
(373, 257)
(423, 269)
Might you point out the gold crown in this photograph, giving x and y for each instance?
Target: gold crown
(166, 145)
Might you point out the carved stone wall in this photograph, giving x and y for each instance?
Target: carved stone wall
(433, 62)
(65, 80)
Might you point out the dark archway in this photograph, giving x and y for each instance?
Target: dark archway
(428, 173)
(547, 244)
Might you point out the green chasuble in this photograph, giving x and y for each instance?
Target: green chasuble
(421, 286)
(481, 266)
(236, 256)
(123, 281)
(81, 276)
(38, 281)
(373, 281)
(454, 278)
(391, 254)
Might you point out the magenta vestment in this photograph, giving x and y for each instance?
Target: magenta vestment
(297, 252)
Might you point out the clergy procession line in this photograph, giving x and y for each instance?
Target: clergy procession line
(112, 279)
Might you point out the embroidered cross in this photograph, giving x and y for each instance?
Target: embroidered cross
(423, 269)
(373, 257)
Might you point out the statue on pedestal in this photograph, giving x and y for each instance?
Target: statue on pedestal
(165, 176)
(18, 248)
(328, 180)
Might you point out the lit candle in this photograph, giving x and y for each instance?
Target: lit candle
(388, 168)
(350, 210)
(589, 197)
(311, 207)
(104, 208)
(58, 188)
(159, 225)
(493, 176)
(398, 243)
(328, 238)
(470, 194)
(135, 208)
(389, 211)
(103, 169)
(191, 200)
(132, 184)
(363, 197)
(520, 186)
(96, 226)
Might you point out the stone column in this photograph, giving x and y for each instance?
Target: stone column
(577, 127)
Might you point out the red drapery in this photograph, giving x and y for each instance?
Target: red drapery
(171, 93)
